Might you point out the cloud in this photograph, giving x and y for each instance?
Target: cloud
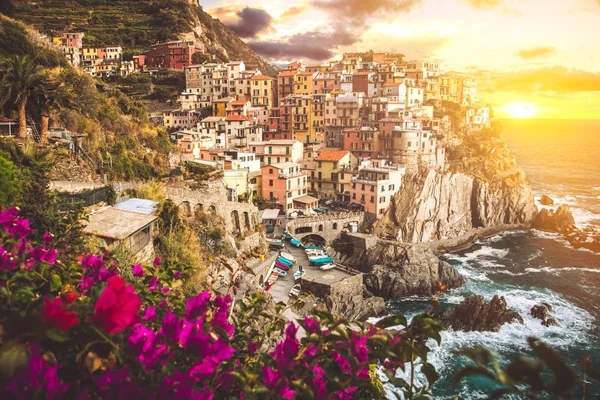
(246, 22)
(544, 79)
(315, 45)
(421, 46)
(360, 10)
(486, 4)
(536, 52)
(294, 12)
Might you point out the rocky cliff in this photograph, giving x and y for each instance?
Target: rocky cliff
(435, 205)
(481, 187)
(474, 314)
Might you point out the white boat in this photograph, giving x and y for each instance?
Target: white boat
(295, 290)
(280, 272)
(327, 267)
(288, 256)
(272, 278)
(299, 274)
(310, 252)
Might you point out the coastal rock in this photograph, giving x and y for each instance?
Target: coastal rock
(542, 311)
(559, 221)
(546, 201)
(474, 314)
(355, 308)
(437, 206)
(415, 274)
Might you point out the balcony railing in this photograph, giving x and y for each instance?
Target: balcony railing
(286, 175)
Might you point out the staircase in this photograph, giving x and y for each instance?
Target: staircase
(34, 131)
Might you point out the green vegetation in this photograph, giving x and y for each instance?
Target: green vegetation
(118, 135)
(12, 190)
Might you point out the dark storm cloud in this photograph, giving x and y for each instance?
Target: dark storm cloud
(360, 10)
(246, 22)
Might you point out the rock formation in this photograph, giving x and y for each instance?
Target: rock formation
(437, 206)
(546, 201)
(355, 308)
(474, 314)
(562, 221)
(542, 311)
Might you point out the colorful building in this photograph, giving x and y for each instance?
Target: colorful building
(331, 163)
(374, 186)
(286, 185)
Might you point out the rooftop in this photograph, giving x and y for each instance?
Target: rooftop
(282, 142)
(117, 224)
(261, 78)
(331, 155)
(141, 206)
(283, 165)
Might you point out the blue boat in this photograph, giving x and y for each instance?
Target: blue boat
(284, 261)
(321, 260)
(295, 242)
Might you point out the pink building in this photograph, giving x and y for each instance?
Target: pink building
(374, 187)
(285, 185)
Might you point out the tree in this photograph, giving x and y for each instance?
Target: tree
(20, 76)
(12, 190)
(50, 95)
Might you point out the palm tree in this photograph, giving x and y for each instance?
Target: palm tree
(50, 95)
(20, 76)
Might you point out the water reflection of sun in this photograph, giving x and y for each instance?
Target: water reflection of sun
(520, 110)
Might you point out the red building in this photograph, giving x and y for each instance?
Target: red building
(176, 54)
(360, 82)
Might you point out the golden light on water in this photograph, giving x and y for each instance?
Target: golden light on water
(520, 110)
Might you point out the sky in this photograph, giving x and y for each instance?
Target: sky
(542, 54)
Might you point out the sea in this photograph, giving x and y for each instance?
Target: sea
(562, 160)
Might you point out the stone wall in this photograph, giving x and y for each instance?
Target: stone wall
(328, 227)
(350, 286)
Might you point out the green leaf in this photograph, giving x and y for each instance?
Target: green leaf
(55, 282)
(430, 373)
(393, 320)
(57, 335)
(13, 356)
(565, 377)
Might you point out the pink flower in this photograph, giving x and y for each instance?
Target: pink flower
(150, 314)
(153, 284)
(157, 261)
(48, 237)
(197, 306)
(54, 314)
(177, 275)
(138, 271)
(117, 307)
(70, 297)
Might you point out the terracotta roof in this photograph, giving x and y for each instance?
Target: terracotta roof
(287, 73)
(261, 78)
(242, 102)
(237, 118)
(306, 73)
(331, 155)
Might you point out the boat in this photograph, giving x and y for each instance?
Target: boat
(280, 271)
(282, 266)
(299, 274)
(275, 243)
(321, 260)
(315, 253)
(288, 256)
(311, 247)
(272, 278)
(284, 261)
(295, 242)
(327, 267)
(295, 290)
(317, 256)
(287, 235)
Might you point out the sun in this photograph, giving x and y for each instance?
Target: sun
(520, 110)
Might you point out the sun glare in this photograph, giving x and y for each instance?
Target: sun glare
(520, 110)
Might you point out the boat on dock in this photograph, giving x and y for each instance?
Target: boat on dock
(282, 266)
(295, 290)
(311, 247)
(280, 271)
(272, 278)
(288, 257)
(284, 261)
(327, 267)
(299, 274)
(320, 260)
(275, 243)
(296, 243)
(315, 252)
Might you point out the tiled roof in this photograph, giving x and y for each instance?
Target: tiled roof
(237, 118)
(287, 73)
(331, 155)
(239, 102)
(261, 78)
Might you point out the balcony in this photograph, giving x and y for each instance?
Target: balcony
(287, 175)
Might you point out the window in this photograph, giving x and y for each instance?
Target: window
(372, 199)
(270, 169)
(335, 226)
(391, 187)
(353, 196)
(271, 195)
(270, 182)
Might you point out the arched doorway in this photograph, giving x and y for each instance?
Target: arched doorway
(185, 208)
(235, 221)
(314, 239)
(247, 221)
(198, 208)
(212, 210)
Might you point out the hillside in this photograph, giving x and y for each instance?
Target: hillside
(134, 24)
(119, 138)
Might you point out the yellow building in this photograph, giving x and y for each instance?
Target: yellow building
(302, 119)
(318, 116)
(262, 92)
(304, 83)
(327, 178)
(219, 106)
(90, 53)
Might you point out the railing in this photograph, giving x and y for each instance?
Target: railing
(291, 174)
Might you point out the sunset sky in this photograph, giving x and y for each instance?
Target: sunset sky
(544, 53)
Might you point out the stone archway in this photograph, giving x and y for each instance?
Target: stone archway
(235, 221)
(247, 221)
(185, 208)
(198, 208)
(212, 210)
(315, 239)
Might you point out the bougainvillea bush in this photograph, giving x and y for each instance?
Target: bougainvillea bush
(81, 326)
